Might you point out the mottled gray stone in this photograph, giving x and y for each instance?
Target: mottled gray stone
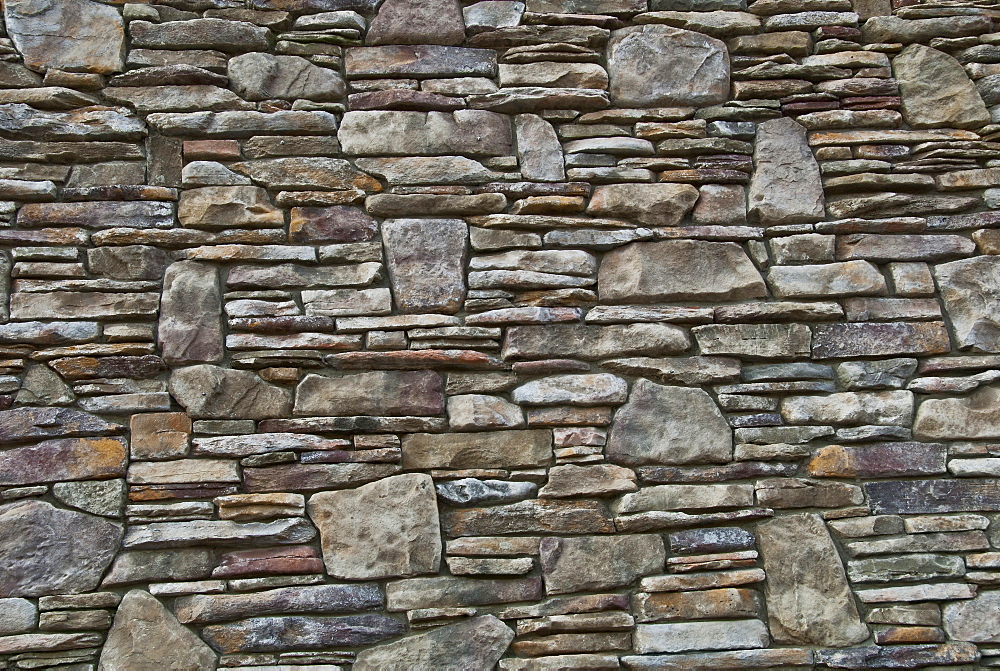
(147, 635)
(481, 449)
(384, 529)
(884, 374)
(43, 386)
(594, 389)
(211, 392)
(204, 608)
(669, 425)
(158, 566)
(260, 76)
(190, 326)
(593, 342)
(786, 187)
(47, 422)
(417, 22)
(220, 34)
(591, 563)
(288, 531)
(473, 492)
(652, 65)
(970, 291)
(974, 620)
(393, 133)
(73, 35)
(99, 497)
(46, 550)
(372, 393)
(17, 616)
(300, 632)
(704, 635)
(648, 204)
(425, 258)
(477, 643)
(128, 262)
(936, 91)
(539, 153)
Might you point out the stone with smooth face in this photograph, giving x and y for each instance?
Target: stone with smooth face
(212, 392)
(935, 90)
(596, 480)
(477, 643)
(71, 35)
(809, 600)
(970, 290)
(260, 76)
(656, 65)
(147, 635)
(386, 529)
(484, 449)
(289, 531)
(685, 497)
(417, 22)
(786, 187)
(398, 133)
(669, 425)
(972, 417)
(649, 272)
(372, 393)
(425, 259)
(190, 325)
(590, 563)
(47, 550)
(705, 635)
(647, 204)
(593, 342)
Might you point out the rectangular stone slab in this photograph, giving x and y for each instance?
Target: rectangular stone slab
(493, 449)
(934, 496)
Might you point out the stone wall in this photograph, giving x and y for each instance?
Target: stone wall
(563, 334)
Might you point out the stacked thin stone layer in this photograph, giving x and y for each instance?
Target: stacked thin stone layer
(556, 334)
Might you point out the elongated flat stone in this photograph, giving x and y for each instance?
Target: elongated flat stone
(973, 416)
(593, 342)
(374, 393)
(207, 608)
(475, 644)
(300, 632)
(392, 133)
(211, 392)
(22, 424)
(218, 532)
(425, 59)
(934, 496)
(591, 563)
(533, 516)
(482, 449)
(449, 592)
(63, 459)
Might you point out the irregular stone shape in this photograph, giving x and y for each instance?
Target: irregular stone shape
(974, 620)
(386, 529)
(973, 417)
(590, 563)
(539, 153)
(330, 224)
(850, 407)
(229, 36)
(299, 632)
(475, 412)
(649, 272)
(99, 497)
(63, 459)
(157, 566)
(530, 517)
(696, 605)
(146, 635)
(935, 90)
(492, 449)
(652, 65)
(24, 122)
(417, 22)
(204, 608)
(429, 169)
(472, 492)
(72, 35)
(808, 598)
(649, 204)
(719, 539)
(669, 425)
(222, 207)
(685, 497)
(851, 278)
(46, 550)
(705, 635)
(450, 592)
(477, 643)
(593, 342)
(128, 262)
(970, 290)
(786, 187)
(260, 76)
(599, 479)
(596, 389)
(900, 656)
(426, 258)
(190, 326)
(17, 616)
(419, 392)
(33, 423)
(393, 133)
(906, 568)
(312, 172)
(211, 392)
(43, 386)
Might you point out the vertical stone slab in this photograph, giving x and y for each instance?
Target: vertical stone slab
(539, 152)
(426, 260)
(5, 268)
(786, 187)
(190, 328)
(808, 599)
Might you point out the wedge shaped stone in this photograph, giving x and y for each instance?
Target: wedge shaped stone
(936, 92)
(212, 392)
(786, 187)
(425, 258)
(970, 290)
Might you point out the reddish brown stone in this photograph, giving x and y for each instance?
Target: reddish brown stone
(160, 435)
(212, 150)
(140, 493)
(88, 368)
(330, 224)
(403, 99)
(883, 460)
(269, 561)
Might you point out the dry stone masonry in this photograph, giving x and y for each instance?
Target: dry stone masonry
(459, 335)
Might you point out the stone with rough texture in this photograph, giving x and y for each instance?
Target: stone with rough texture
(970, 289)
(647, 204)
(425, 259)
(936, 91)
(300, 632)
(211, 392)
(146, 634)
(374, 393)
(477, 643)
(17, 616)
(386, 529)
(259, 76)
(46, 550)
(597, 389)
(492, 449)
(809, 600)
(786, 186)
(348, 598)
(72, 35)
(974, 620)
(217, 207)
(593, 342)
(669, 425)
(63, 459)
(190, 326)
(394, 133)
(975, 417)
(539, 153)
(417, 22)
(704, 635)
(591, 563)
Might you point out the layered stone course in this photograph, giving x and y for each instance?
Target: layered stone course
(499, 334)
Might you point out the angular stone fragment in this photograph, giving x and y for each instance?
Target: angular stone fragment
(593, 342)
(425, 258)
(974, 620)
(392, 133)
(591, 563)
(669, 425)
(46, 550)
(313, 172)
(705, 635)
(526, 517)
(647, 204)
(300, 632)
(384, 529)
(647, 272)
(786, 187)
(473, 492)
(17, 616)
(417, 22)
(808, 598)
(72, 35)
(260, 76)
(493, 449)
(145, 633)
(449, 592)
(190, 326)
(220, 207)
(374, 393)
(211, 392)
(63, 459)
(99, 497)
(652, 65)
(936, 92)
(289, 531)
(539, 154)
(474, 412)
(970, 289)
(43, 386)
(477, 643)
(330, 224)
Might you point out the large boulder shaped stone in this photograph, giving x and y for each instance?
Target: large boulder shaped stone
(649, 272)
(259, 76)
(477, 643)
(212, 392)
(426, 261)
(221, 207)
(418, 392)
(590, 563)
(669, 425)
(976, 620)
(970, 290)
(48, 550)
(145, 635)
(190, 327)
(936, 91)
(808, 599)
(646, 204)
(73, 35)
(653, 65)
(786, 187)
(385, 529)
(417, 22)
(539, 152)
(972, 417)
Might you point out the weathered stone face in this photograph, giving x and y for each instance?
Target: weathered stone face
(936, 91)
(969, 289)
(211, 392)
(425, 259)
(258, 76)
(786, 186)
(476, 644)
(72, 35)
(598, 562)
(375, 393)
(190, 327)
